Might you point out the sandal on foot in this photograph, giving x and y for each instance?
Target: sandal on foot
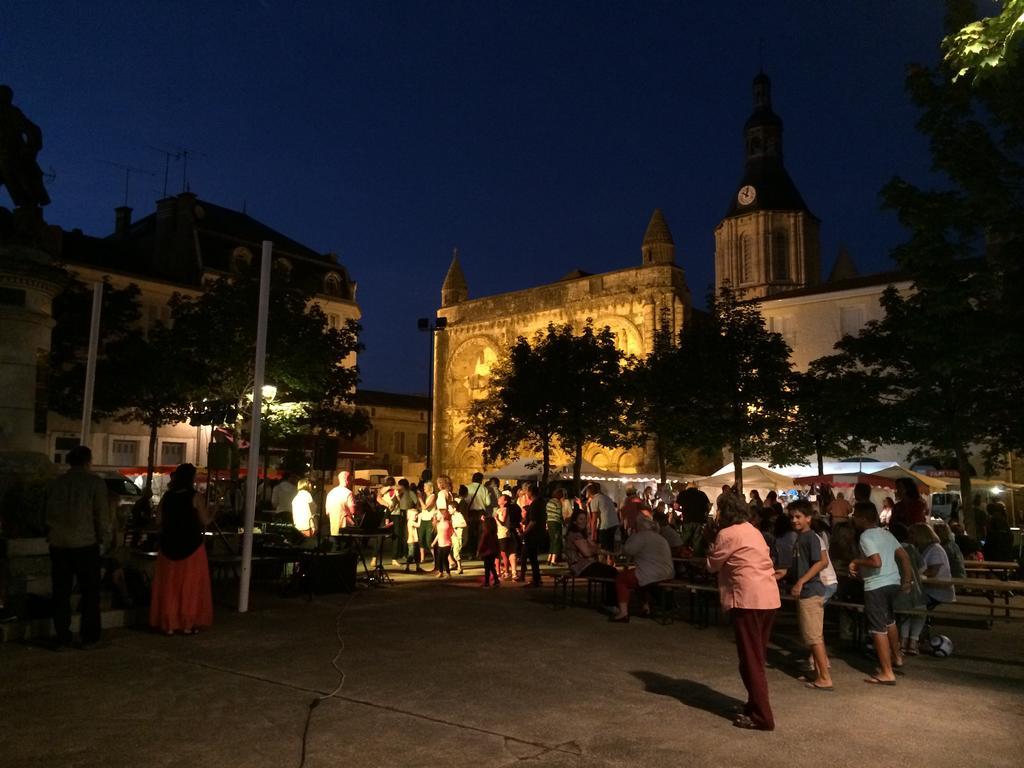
(876, 681)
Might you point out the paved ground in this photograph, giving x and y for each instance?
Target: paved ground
(448, 674)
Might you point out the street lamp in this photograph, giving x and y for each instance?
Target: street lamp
(424, 324)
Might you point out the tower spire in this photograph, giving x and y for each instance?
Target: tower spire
(658, 246)
(454, 289)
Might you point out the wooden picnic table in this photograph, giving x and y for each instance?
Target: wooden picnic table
(990, 589)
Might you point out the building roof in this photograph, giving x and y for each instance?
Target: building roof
(368, 397)
(657, 230)
(844, 268)
(186, 238)
(848, 284)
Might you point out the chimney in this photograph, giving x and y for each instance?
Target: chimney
(122, 220)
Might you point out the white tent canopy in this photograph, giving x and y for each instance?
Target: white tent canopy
(526, 467)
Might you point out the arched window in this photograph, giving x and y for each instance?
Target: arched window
(332, 284)
(746, 260)
(780, 256)
(241, 259)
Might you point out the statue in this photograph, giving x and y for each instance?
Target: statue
(20, 142)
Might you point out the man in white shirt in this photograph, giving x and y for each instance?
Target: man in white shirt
(340, 504)
(604, 519)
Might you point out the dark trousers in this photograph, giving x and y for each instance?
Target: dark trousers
(66, 565)
(441, 564)
(489, 569)
(400, 533)
(472, 532)
(531, 553)
(753, 628)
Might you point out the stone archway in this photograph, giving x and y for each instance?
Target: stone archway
(627, 336)
(468, 371)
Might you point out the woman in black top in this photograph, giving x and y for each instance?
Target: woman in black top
(181, 586)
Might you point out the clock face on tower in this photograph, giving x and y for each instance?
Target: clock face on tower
(746, 195)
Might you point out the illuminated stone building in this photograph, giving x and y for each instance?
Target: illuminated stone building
(766, 248)
(184, 244)
(479, 330)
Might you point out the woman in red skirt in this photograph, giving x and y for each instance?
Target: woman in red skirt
(181, 586)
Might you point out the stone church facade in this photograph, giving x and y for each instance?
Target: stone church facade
(766, 248)
(478, 331)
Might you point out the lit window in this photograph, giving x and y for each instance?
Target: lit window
(172, 453)
(124, 453)
(746, 260)
(851, 320)
(332, 284)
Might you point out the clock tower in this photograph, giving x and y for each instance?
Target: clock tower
(768, 241)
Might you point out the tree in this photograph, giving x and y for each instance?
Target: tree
(144, 381)
(738, 388)
(69, 345)
(561, 388)
(590, 390)
(655, 410)
(947, 360)
(981, 46)
(519, 410)
(828, 418)
(304, 361)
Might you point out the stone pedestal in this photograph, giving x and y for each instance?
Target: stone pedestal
(28, 283)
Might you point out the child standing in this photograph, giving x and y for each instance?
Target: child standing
(442, 544)
(886, 571)
(412, 539)
(488, 550)
(808, 561)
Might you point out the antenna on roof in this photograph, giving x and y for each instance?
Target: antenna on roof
(176, 153)
(128, 171)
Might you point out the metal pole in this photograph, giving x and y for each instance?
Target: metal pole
(430, 399)
(90, 366)
(254, 439)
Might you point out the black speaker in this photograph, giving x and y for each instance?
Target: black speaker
(330, 572)
(219, 457)
(325, 454)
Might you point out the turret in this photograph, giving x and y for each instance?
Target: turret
(454, 288)
(658, 246)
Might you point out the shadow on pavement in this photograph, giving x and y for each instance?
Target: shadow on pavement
(690, 693)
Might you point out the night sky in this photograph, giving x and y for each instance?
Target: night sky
(536, 137)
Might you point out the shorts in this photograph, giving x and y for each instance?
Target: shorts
(810, 612)
(878, 608)
(507, 546)
(606, 538)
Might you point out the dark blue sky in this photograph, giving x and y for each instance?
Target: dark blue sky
(536, 137)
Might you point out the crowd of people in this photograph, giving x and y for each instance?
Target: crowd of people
(833, 548)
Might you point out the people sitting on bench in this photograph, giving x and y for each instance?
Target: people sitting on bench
(653, 558)
(581, 556)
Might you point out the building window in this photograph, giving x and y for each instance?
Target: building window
(375, 441)
(399, 442)
(746, 260)
(61, 446)
(172, 453)
(42, 392)
(124, 453)
(851, 320)
(332, 284)
(780, 256)
(333, 320)
(421, 444)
